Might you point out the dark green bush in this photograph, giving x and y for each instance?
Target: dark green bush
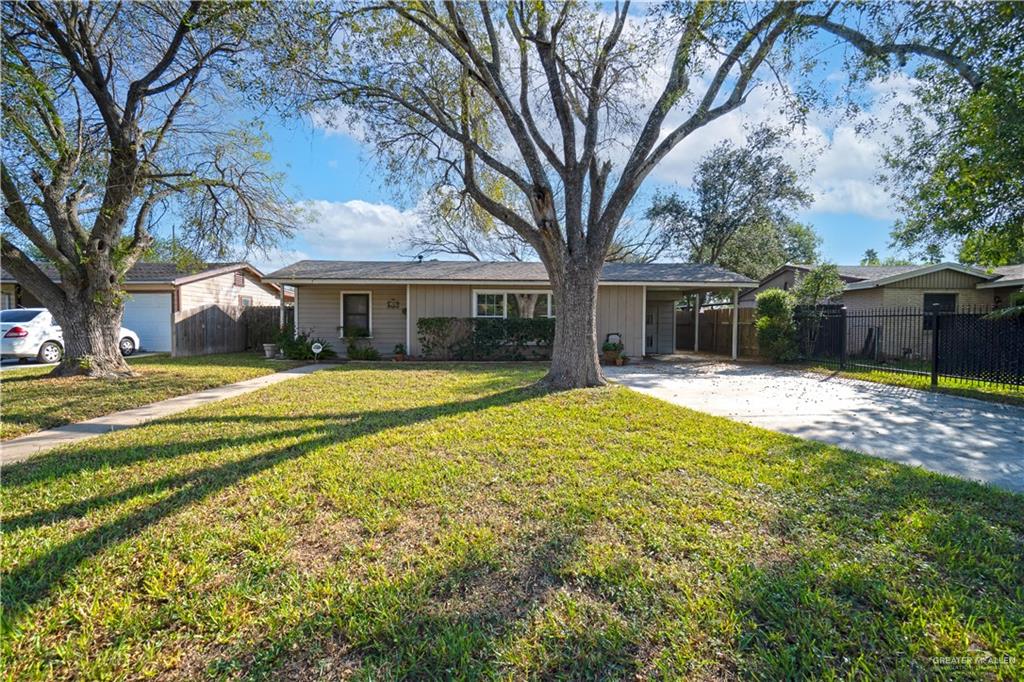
(482, 338)
(776, 332)
(300, 346)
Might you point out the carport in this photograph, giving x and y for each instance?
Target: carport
(660, 303)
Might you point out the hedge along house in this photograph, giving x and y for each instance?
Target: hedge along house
(387, 299)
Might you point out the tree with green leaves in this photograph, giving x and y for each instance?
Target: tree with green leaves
(871, 257)
(821, 285)
(113, 114)
(738, 211)
(550, 116)
(958, 171)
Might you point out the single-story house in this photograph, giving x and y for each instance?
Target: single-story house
(948, 285)
(159, 290)
(387, 299)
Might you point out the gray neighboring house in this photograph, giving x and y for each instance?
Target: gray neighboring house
(387, 298)
(949, 285)
(156, 291)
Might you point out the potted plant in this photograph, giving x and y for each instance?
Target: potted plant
(399, 352)
(621, 360)
(612, 350)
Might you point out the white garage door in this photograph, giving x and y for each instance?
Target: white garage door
(149, 316)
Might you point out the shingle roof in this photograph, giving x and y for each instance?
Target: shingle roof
(140, 272)
(1010, 271)
(476, 271)
(866, 272)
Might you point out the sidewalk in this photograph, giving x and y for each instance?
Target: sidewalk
(19, 449)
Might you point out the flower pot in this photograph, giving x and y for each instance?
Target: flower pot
(610, 356)
(399, 357)
(269, 350)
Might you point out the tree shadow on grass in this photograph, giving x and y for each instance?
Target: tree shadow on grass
(890, 544)
(454, 622)
(63, 462)
(32, 581)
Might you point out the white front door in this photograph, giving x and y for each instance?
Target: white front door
(149, 316)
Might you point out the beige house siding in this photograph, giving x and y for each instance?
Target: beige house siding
(319, 313)
(12, 298)
(784, 280)
(862, 299)
(620, 311)
(899, 297)
(942, 279)
(221, 290)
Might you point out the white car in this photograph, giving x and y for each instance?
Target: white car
(33, 333)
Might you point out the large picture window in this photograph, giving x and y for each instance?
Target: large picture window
(513, 304)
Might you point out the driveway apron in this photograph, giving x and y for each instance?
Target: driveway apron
(973, 439)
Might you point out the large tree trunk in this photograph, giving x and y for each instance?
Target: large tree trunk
(92, 329)
(574, 361)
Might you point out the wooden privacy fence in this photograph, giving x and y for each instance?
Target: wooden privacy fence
(716, 331)
(225, 328)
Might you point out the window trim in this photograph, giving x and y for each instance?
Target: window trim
(504, 301)
(369, 312)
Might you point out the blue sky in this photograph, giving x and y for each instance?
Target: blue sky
(359, 219)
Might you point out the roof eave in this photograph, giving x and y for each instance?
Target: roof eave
(999, 283)
(725, 284)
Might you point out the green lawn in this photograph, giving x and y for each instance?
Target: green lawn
(454, 523)
(33, 401)
(982, 390)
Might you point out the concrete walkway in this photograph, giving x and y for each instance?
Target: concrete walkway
(959, 436)
(18, 449)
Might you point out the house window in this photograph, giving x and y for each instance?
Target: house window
(937, 303)
(239, 279)
(490, 305)
(514, 304)
(356, 318)
(245, 301)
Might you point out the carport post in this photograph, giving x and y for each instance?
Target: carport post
(280, 322)
(735, 320)
(696, 322)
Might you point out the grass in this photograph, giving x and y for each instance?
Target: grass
(1000, 393)
(454, 523)
(33, 401)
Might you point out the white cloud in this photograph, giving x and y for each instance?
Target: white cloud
(846, 156)
(354, 230)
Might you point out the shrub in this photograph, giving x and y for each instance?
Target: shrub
(300, 346)
(483, 338)
(359, 348)
(612, 346)
(776, 333)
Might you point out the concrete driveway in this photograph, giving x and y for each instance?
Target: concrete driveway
(959, 436)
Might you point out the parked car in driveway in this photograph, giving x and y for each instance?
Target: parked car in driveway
(33, 333)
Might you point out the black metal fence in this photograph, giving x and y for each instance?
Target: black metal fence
(962, 345)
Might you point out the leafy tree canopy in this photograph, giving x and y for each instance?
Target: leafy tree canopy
(958, 172)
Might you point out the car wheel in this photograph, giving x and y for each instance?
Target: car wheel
(50, 352)
(127, 346)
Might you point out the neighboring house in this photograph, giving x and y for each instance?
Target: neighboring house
(159, 290)
(948, 285)
(386, 299)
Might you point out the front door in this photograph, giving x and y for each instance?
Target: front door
(355, 316)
